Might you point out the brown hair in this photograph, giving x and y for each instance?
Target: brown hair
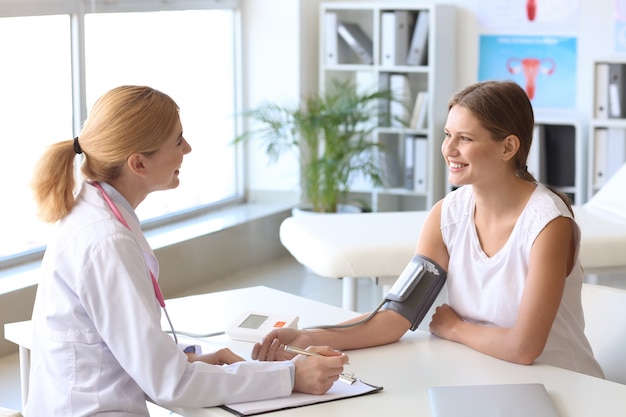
(125, 120)
(503, 108)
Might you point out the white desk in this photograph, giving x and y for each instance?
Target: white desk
(207, 313)
(405, 369)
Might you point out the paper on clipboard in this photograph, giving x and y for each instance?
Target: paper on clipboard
(338, 391)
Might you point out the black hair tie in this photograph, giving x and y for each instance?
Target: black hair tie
(77, 148)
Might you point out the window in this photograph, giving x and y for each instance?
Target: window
(192, 55)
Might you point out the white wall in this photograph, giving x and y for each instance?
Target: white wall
(289, 67)
(280, 58)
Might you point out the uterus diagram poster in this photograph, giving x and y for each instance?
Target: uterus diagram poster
(524, 16)
(545, 66)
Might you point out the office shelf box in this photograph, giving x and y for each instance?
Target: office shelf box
(433, 75)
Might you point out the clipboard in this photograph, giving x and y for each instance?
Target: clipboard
(338, 391)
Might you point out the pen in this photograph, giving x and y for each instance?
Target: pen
(298, 351)
(347, 377)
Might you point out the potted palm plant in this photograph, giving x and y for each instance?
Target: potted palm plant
(333, 133)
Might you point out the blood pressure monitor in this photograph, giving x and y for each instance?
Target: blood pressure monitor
(253, 326)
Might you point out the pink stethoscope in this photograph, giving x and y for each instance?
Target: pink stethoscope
(155, 284)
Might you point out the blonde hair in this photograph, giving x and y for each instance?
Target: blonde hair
(124, 121)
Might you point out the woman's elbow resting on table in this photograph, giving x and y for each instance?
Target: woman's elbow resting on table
(525, 350)
(509, 344)
(516, 351)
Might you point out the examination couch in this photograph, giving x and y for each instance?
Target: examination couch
(379, 245)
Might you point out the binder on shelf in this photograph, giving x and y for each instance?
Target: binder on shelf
(395, 36)
(599, 153)
(616, 150)
(331, 38)
(387, 38)
(391, 163)
(617, 85)
(420, 161)
(418, 49)
(560, 150)
(417, 109)
(383, 110)
(609, 154)
(536, 160)
(357, 40)
(421, 122)
(601, 110)
(409, 162)
(398, 108)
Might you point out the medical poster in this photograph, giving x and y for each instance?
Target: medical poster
(526, 16)
(545, 66)
(620, 26)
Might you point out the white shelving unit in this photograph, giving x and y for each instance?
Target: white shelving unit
(434, 75)
(607, 135)
(558, 156)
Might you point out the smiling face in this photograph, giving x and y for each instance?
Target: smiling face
(471, 153)
(163, 165)
(495, 110)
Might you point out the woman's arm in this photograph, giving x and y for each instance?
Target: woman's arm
(551, 260)
(223, 356)
(385, 327)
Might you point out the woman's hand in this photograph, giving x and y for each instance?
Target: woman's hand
(316, 374)
(222, 356)
(443, 322)
(272, 348)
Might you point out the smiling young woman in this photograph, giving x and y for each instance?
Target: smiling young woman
(508, 244)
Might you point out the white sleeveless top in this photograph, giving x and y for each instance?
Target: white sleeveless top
(488, 290)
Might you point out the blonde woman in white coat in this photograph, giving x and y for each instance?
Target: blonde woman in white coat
(98, 345)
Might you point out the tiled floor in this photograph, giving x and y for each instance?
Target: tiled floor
(286, 275)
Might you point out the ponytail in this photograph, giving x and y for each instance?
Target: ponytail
(53, 182)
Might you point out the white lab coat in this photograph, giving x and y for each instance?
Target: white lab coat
(98, 347)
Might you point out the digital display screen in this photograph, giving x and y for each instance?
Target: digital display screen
(253, 321)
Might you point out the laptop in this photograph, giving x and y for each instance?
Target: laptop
(502, 400)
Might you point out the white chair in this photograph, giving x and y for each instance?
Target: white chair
(602, 222)
(605, 327)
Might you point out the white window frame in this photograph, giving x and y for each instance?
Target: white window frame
(77, 10)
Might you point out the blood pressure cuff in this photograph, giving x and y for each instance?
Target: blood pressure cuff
(416, 289)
